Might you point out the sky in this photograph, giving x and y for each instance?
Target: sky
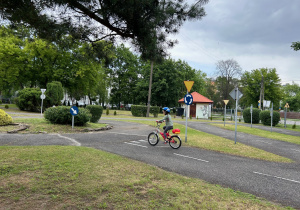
(255, 33)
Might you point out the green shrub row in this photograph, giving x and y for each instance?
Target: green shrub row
(96, 111)
(141, 111)
(62, 115)
(263, 116)
(255, 115)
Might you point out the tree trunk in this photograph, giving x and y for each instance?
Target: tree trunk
(149, 92)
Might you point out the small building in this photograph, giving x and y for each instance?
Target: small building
(200, 108)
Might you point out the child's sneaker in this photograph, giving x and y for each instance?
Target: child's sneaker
(166, 141)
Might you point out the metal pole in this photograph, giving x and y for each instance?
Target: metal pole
(186, 112)
(271, 117)
(224, 114)
(285, 116)
(42, 108)
(236, 105)
(72, 121)
(251, 109)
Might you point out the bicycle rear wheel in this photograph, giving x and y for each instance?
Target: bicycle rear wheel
(175, 142)
(153, 139)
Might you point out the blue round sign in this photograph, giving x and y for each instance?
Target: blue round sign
(74, 110)
(188, 99)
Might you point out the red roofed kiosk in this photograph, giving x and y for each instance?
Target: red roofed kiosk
(200, 108)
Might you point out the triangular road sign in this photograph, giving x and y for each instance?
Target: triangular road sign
(189, 85)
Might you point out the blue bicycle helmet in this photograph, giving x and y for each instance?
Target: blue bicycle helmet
(166, 109)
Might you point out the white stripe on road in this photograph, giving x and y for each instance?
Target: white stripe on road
(295, 150)
(135, 144)
(127, 134)
(191, 157)
(290, 180)
(76, 143)
(263, 142)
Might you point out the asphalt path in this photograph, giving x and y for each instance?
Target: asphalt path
(279, 182)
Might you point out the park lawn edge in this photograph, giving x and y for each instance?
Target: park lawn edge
(262, 133)
(58, 177)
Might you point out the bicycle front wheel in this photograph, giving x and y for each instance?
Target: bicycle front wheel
(153, 139)
(175, 142)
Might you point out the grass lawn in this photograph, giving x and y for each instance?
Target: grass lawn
(262, 133)
(68, 177)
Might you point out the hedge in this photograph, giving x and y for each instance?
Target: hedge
(96, 112)
(29, 99)
(62, 115)
(255, 115)
(141, 111)
(265, 118)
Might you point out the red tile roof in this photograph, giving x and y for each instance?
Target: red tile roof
(197, 98)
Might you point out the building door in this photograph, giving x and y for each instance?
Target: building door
(193, 110)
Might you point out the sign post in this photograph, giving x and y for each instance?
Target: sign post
(225, 102)
(42, 97)
(251, 111)
(188, 100)
(271, 113)
(236, 95)
(74, 111)
(286, 106)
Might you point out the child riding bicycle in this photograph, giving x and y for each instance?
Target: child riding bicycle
(169, 124)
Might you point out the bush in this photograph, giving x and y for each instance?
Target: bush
(54, 94)
(29, 99)
(62, 115)
(6, 106)
(5, 119)
(266, 118)
(107, 111)
(96, 112)
(141, 111)
(255, 115)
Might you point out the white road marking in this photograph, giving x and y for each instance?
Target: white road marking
(295, 150)
(263, 142)
(143, 140)
(290, 180)
(191, 157)
(128, 134)
(76, 143)
(135, 144)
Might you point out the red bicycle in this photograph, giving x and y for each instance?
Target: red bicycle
(174, 140)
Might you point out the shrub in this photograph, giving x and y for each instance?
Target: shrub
(54, 94)
(6, 106)
(5, 119)
(0, 101)
(294, 126)
(255, 115)
(62, 115)
(29, 99)
(96, 112)
(265, 118)
(141, 111)
(107, 111)
(115, 112)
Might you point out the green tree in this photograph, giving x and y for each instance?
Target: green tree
(54, 93)
(227, 73)
(296, 46)
(251, 82)
(291, 95)
(124, 72)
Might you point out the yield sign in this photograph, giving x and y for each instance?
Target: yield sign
(189, 85)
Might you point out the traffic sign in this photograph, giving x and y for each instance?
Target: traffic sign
(233, 94)
(189, 85)
(188, 99)
(287, 105)
(43, 91)
(226, 102)
(74, 110)
(43, 96)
